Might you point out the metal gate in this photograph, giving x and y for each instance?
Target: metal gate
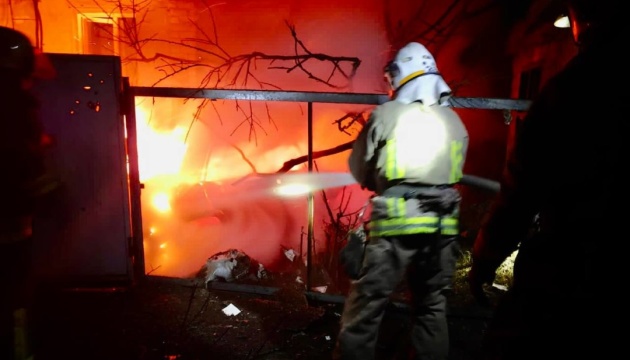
(130, 93)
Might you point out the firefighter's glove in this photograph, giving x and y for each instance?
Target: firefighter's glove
(351, 255)
(482, 272)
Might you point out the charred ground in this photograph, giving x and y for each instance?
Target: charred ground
(166, 318)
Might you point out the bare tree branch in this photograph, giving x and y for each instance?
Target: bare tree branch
(353, 119)
(251, 165)
(343, 126)
(288, 165)
(221, 69)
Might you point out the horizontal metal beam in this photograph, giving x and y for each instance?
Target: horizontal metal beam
(315, 97)
(489, 103)
(244, 288)
(260, 95)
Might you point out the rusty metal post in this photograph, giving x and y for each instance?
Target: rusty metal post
(137, 246)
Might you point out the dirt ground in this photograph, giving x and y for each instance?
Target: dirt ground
(162, 318)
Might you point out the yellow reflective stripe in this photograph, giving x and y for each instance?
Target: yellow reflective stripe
(457, 158)
(450, 226)
(390, 207)
(402, 206)
(415, 225)
(419, 220)
(392, 170)
(405, 231)
(404, 80)
(396, 207)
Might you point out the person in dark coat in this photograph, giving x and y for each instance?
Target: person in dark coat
(567, 171)
(21, 182)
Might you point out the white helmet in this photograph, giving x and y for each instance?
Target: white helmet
(411, 61)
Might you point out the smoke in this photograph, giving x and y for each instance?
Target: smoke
(253, 215)
(214, 195)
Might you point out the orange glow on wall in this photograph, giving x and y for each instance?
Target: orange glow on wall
(179, 149)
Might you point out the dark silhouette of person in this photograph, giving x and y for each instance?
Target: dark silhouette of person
(567, 171)
(22, 182)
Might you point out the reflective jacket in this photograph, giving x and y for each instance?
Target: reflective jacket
(410, 155)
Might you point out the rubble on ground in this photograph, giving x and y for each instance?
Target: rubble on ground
(229, 266)
(235, 266)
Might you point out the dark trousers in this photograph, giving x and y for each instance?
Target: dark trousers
(428, 262)
(562, 304)
(16, 299)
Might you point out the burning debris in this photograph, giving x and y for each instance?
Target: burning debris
(234, 265)
(229, 266)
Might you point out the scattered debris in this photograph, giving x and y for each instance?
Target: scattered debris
(229, 266)
(231, 310)
(235, 266)
(499, 287)
(320, 289)
(290, 254)
(262, 272)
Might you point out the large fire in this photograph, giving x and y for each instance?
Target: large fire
(191, 212)
(160, 153)
(183, 165)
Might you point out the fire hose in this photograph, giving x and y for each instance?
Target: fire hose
(482, 183)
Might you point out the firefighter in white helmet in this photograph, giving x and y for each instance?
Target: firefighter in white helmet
(567, 170)
(411, 154)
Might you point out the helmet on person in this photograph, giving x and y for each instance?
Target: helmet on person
(412, 61)
(16, 52)
(586, 17)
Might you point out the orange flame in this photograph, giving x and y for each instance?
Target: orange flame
(159, 153)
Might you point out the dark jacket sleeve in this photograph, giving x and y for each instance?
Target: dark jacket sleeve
(512, 214)
(21, 150)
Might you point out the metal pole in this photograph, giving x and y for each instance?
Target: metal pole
(137, 246)
(311, 212)
(318, 97)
